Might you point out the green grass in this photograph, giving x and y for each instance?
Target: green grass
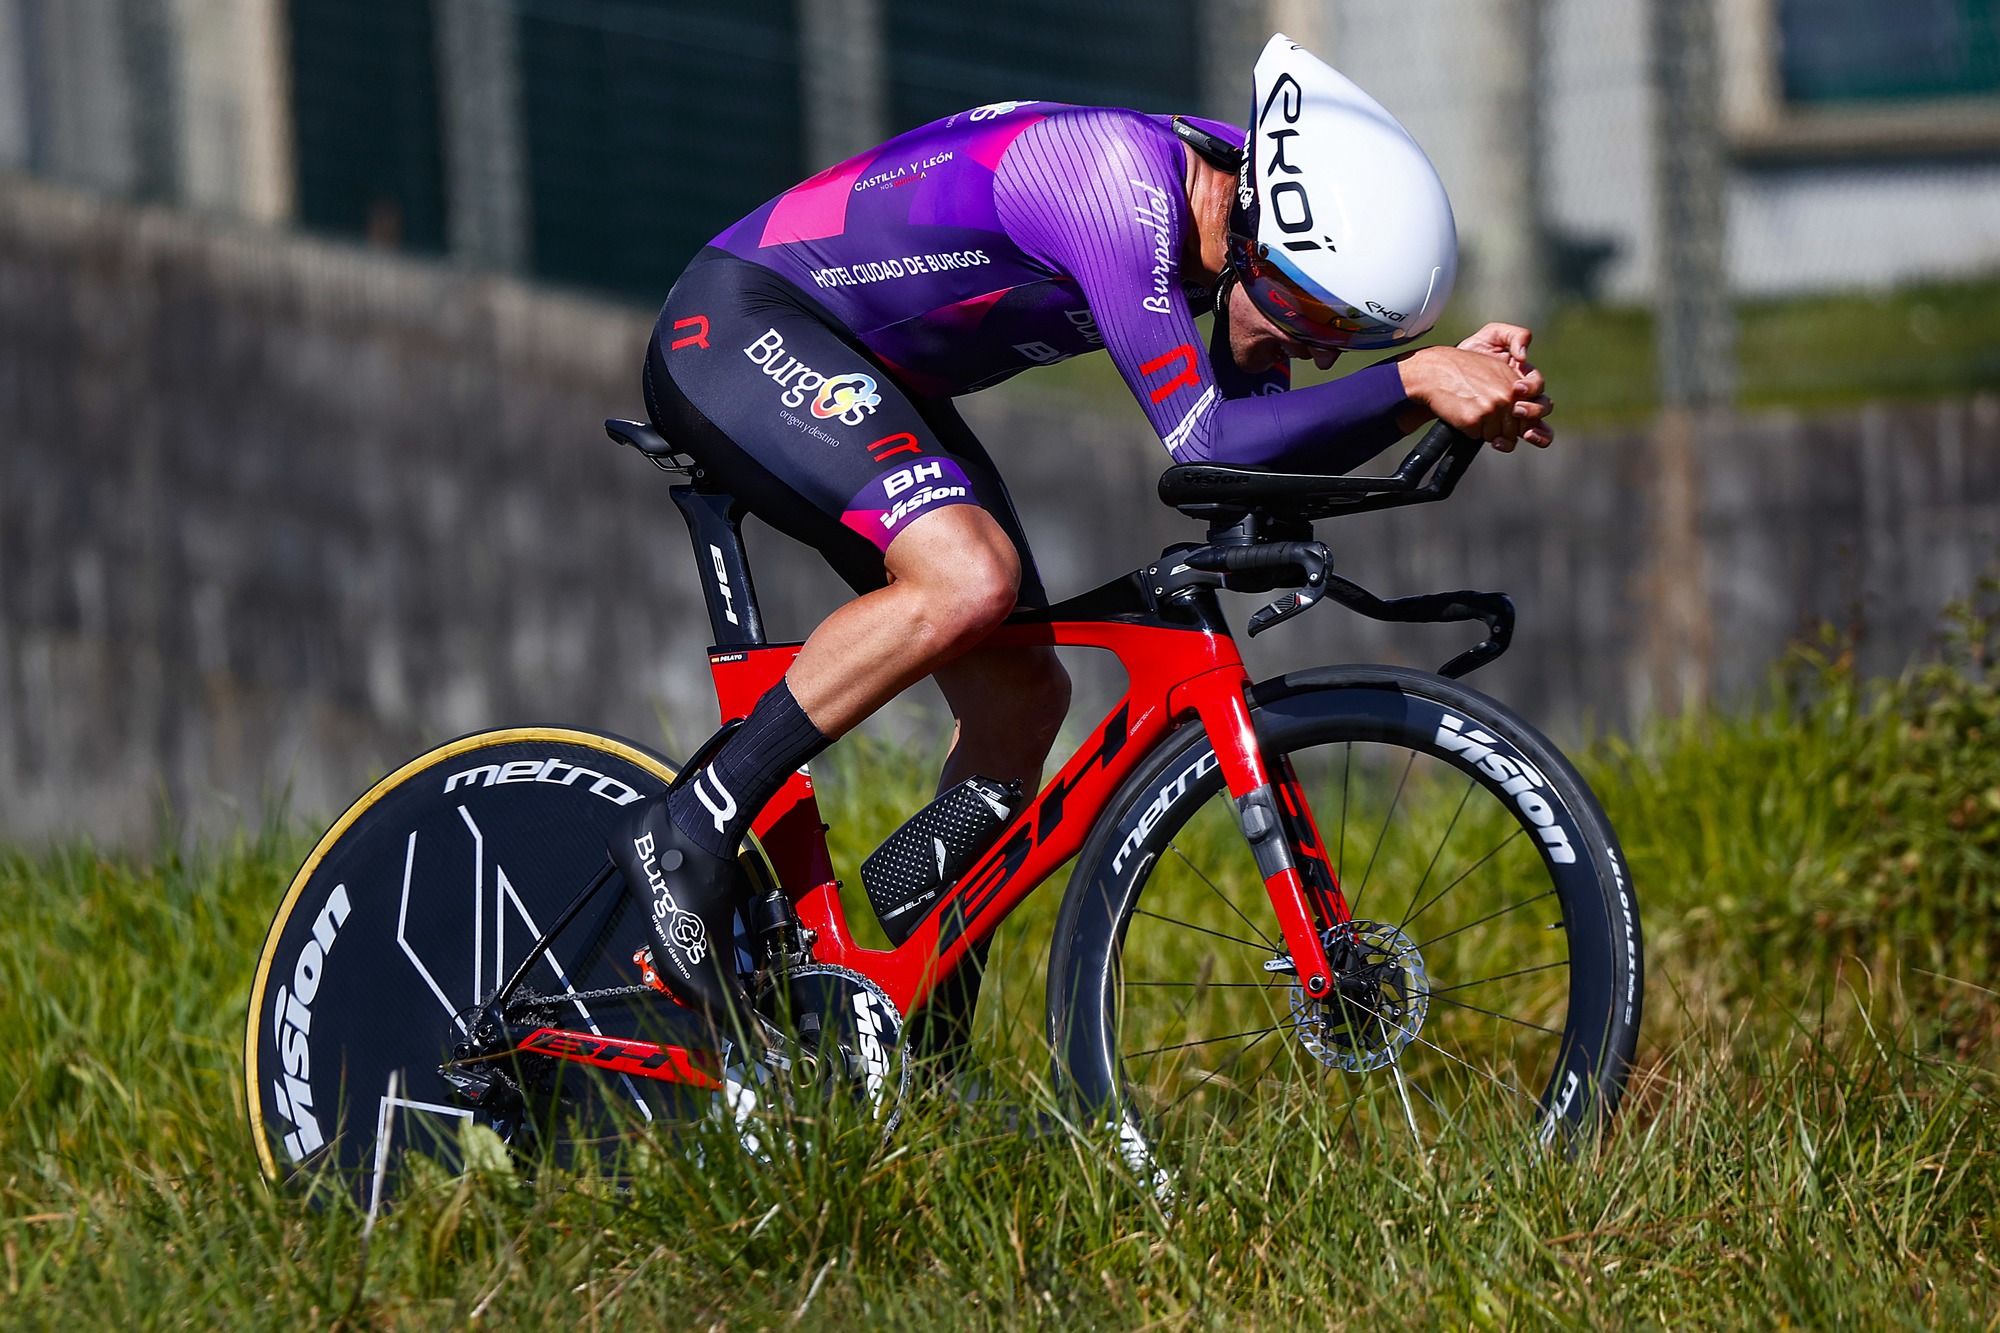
(1809, 1141)
(1930, 341)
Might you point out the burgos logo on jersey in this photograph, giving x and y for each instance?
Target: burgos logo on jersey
(848, 398)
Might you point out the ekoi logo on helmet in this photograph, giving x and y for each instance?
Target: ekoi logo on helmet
(848, 397)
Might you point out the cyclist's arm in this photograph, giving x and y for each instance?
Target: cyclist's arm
(1097, 196)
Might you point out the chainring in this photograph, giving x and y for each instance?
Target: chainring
(844, 1032)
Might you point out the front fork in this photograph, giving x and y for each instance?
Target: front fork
(1278, 824)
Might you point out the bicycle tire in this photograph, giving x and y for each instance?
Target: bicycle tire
(416, 905)
(1096, 996)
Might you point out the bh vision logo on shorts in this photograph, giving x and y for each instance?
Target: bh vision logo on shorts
(848, 398)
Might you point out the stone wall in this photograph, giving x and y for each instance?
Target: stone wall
(274, 514)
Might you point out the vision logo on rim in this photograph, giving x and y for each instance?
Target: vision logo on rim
(1521, 780)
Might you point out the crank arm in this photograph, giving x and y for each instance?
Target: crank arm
(626, 1055)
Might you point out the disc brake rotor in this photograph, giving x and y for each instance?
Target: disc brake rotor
(1380, 997)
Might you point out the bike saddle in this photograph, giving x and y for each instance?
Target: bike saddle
(640, 436)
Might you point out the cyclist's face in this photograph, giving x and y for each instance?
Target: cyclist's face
(1260, 345)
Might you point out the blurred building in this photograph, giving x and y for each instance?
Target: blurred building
(599, 142)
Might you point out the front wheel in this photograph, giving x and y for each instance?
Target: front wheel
(1491, 974)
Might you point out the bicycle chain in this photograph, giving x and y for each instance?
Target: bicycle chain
(535, 1000)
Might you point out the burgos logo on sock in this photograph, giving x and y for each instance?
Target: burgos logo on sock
(849, 398)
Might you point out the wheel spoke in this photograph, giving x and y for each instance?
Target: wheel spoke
(1484, 919)
(1341, 1128)
(1276, 1056)
(1496, 1082)
(1175, 848)
(1208, 1041)
(1346, 775)
(1232, 1062)
(1503, 976)
(1189, 925)
(1490, 1013)
(1418, 892)
(1383, 833)
(1403, 1095)
(1469, 870)
(1226, 985)
(1418, 1039)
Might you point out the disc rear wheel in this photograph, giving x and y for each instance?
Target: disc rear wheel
(411, 913)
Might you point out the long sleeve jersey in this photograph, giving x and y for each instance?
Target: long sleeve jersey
(1024, 233)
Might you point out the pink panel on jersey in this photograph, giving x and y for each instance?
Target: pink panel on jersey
(816, 207)
(988, 149)
(968, 313)
(916, 380)
(868, 522)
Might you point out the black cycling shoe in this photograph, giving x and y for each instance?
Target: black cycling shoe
(693, 895)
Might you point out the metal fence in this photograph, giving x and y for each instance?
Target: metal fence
(643, 127)
(1832, 143)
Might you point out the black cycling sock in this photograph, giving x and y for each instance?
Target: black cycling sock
(716, 805)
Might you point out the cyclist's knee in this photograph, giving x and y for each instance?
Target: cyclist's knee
(986, 590)
(963, 570)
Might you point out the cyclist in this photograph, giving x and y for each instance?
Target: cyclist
(807, 360)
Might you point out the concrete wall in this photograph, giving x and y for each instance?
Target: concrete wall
(273, 514)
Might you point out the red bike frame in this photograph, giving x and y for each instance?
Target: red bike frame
(1181, 665)
(1173, 674)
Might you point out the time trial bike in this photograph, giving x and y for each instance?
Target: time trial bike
(1362, 884)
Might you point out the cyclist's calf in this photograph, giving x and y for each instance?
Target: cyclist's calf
(1009, 702)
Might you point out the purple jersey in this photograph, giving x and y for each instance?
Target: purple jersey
(1024, 233)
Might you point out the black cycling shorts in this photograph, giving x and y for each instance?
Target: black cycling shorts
(785, 409)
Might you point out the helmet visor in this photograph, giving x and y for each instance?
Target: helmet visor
(1303, 314)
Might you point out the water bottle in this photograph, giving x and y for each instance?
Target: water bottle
(923, 858)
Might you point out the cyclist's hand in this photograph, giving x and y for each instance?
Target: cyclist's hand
(1509, 343)
(1478, 393)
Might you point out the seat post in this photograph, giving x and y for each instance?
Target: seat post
(715, 525)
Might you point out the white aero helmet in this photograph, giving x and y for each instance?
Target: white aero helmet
(1341, 233)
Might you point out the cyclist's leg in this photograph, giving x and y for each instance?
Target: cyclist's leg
(851, 476)
(814, 437)
(952, 577)
(1007, 703)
